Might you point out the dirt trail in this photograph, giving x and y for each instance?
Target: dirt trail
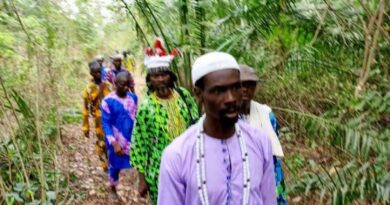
(87, 180)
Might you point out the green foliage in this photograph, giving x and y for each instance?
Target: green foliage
(26, 178)
(313, 57)
(6, 40)
(43, 55)
(324, 68)
(295, 163)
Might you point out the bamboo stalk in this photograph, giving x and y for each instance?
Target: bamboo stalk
(158, 25)
(136, 22)
(20, 21)
(24, 171)
(199, 13)
(39, 134)
(147, 18)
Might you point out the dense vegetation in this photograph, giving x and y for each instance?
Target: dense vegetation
(324, 69)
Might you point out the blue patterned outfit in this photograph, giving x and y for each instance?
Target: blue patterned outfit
(279, 178)
(118, 115)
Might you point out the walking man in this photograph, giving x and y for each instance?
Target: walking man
(261, 116)
(219, 160)
(164, 114)
(104, 70)
(119, 109)
(93, 95)
(129, 61)
(111, 74)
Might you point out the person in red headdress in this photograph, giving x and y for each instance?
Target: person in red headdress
(164, 114)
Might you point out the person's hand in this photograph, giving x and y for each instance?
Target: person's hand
(142, 186)
(86, 134)
(117, 148)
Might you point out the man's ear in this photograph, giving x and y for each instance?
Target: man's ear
(198, 94)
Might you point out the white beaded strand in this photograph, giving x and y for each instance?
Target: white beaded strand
(198, 172)
(201, 167)
(246, 173)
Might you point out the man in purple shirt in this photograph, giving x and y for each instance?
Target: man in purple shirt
(219, 160)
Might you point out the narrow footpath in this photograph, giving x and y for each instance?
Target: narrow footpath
(88, 183)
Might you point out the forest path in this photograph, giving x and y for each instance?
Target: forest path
(88, 183)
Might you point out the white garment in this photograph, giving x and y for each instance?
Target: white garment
(259, 117)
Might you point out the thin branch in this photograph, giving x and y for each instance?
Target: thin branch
(136, 22)
(383, 31)
(334, 16)
(9, 101)
(322, 19)
(199, 15)
(15, 10)
(158, 24)
(147, 18)
(370, 49)
(14, 142)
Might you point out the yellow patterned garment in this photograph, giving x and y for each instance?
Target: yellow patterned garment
(93, 94)
(158, 123)
(176, 123)
(129, 64)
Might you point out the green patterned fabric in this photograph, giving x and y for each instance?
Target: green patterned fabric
(150, 135)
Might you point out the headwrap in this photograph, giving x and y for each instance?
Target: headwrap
(211, 62)
(247, 73)
(117, 56)
(157, 59)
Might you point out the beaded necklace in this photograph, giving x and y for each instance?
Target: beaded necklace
(175, 122)
(201, 168)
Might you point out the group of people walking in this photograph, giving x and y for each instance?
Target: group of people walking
(215, 146)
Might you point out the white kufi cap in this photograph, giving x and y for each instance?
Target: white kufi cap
(210, 62)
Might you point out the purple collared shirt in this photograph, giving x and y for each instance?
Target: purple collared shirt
(224, 169)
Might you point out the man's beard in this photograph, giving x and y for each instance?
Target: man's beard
(162, 90)
(245, 105)
(225, 119)
(229, 122)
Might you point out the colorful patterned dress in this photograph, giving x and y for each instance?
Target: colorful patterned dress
(118, 121)
(93, 95)
(158, 123)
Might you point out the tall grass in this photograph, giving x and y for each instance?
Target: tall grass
(25, 154)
